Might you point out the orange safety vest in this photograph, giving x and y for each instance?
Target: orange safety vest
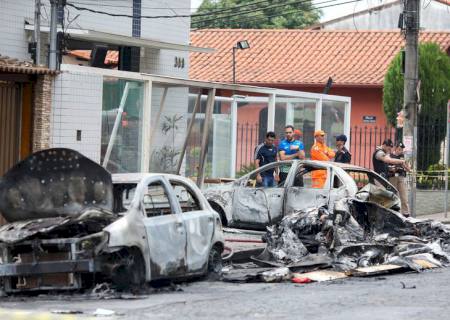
(321, 152)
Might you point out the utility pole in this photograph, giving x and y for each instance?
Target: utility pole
(411, 17)
(53, 60)
(37, 32)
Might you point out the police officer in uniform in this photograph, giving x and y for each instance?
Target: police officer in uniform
(381, 159)
(397, 177)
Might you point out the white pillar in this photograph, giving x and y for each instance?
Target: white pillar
(146, 146)
(271, 113)
(233, 138)
(319, 114)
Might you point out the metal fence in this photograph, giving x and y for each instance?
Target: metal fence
(363, 142)
(247, 140)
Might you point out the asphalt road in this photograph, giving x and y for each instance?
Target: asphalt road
(426, 296)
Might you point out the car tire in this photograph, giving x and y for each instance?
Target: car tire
(215, 263)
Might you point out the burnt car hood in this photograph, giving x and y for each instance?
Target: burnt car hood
(52, 183)
(88, 222)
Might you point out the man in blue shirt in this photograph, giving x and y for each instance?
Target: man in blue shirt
(290, 149)
(266, 153)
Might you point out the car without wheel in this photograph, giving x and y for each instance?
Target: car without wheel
(244, 203)
(72, 225)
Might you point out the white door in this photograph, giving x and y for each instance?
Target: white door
(199, 225)
(301, 193)
(166, 233)
(256, 205)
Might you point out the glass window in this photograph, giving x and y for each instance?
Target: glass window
(337, 183)
(361, 178)
(279, 172)
(156, 201)
(169, 130)
(186, 197)
(333, 115)
(125, 154)
(251, 131)
(310, 177)
(218, 158)
(299, 112)
(123, 196)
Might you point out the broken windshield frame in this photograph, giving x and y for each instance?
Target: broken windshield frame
(249, 180)
(363, 178)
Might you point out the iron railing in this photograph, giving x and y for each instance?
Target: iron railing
(362, 144)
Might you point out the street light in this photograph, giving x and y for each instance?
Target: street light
(241, 45)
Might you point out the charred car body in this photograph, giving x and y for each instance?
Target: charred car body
(245, 204)
(72, 224)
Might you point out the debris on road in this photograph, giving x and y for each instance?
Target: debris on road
(276, 275)
(404, 286)
(357, 234)
(374, 270)
(99, 312)
(67, 312)
(358, 238)
(321, 275)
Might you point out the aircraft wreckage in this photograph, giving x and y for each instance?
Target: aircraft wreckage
(357, 238)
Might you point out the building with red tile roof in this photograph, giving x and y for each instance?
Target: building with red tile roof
(304, 60)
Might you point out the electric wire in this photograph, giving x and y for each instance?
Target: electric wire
(259, 9)
(292, 11)
(71, 4)
(313, 7)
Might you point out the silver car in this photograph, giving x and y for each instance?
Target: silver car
(246, 204)
(80, 226)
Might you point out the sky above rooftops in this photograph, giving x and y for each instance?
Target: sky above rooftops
(332, 12)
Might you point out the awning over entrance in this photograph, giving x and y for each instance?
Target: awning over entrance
(120, 40)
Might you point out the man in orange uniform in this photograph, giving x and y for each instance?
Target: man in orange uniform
(321, 152)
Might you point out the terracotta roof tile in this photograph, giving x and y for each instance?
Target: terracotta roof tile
(112, 56)
(306, 57)
(13, 65)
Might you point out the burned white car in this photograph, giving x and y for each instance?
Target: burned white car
(246, 204)
(72, 224)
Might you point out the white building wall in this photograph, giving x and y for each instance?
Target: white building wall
(15, 13)
(77, 105)
(13, 39)
(77, 97)
(433, 17)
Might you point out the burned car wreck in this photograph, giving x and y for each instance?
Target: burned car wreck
(246, 204)
(72, 224)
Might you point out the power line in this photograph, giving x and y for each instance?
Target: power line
(259, 9)
(296, 11)
(252, 18)
(73, 5)
(125, 6)
(70, 4)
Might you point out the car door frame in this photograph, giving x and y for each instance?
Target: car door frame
(291, 190)
(268, 193)
(343, 190)
(196, 261)
(178, 227)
